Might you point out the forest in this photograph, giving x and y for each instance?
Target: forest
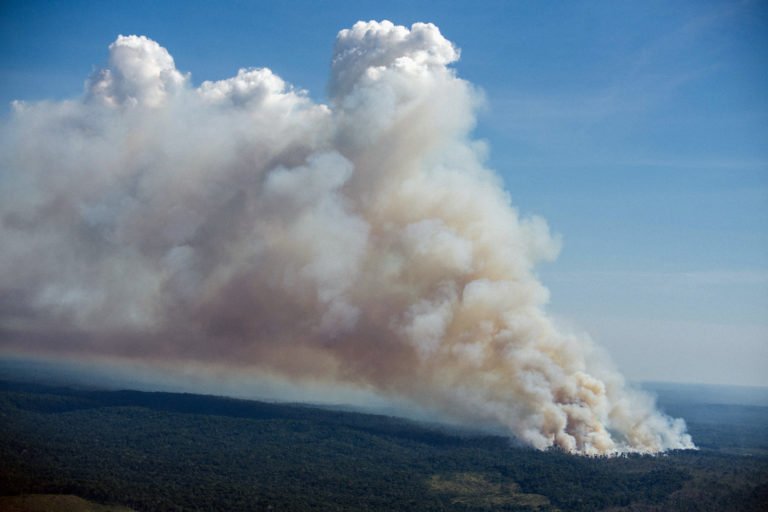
(178, 452)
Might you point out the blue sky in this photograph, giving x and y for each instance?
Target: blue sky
(639, 130)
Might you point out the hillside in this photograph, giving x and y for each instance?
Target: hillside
(169, 451)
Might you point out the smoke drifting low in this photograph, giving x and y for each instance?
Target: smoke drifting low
(241, 225)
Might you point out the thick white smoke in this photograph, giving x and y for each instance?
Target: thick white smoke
(361, 242)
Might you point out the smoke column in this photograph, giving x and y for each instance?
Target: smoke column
(362, 242)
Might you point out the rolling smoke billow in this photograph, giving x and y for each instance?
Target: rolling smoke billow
(240, 225)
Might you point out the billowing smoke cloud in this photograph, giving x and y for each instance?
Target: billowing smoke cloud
(240, 224)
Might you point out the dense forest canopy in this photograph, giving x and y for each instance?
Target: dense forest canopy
(169, 451)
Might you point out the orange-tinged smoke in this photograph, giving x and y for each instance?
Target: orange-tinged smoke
(363, 242)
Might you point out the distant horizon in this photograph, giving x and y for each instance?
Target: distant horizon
(76, 373)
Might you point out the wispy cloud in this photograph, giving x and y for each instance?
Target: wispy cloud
(757, 278)
(573, 118)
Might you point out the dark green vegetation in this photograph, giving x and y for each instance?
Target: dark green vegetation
(51, 502)
(166, 451)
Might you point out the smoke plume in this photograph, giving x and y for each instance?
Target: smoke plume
(242, 225)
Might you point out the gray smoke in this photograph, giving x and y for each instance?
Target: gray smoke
(240, 225)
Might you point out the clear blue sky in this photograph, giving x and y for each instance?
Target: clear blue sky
(639, 130)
